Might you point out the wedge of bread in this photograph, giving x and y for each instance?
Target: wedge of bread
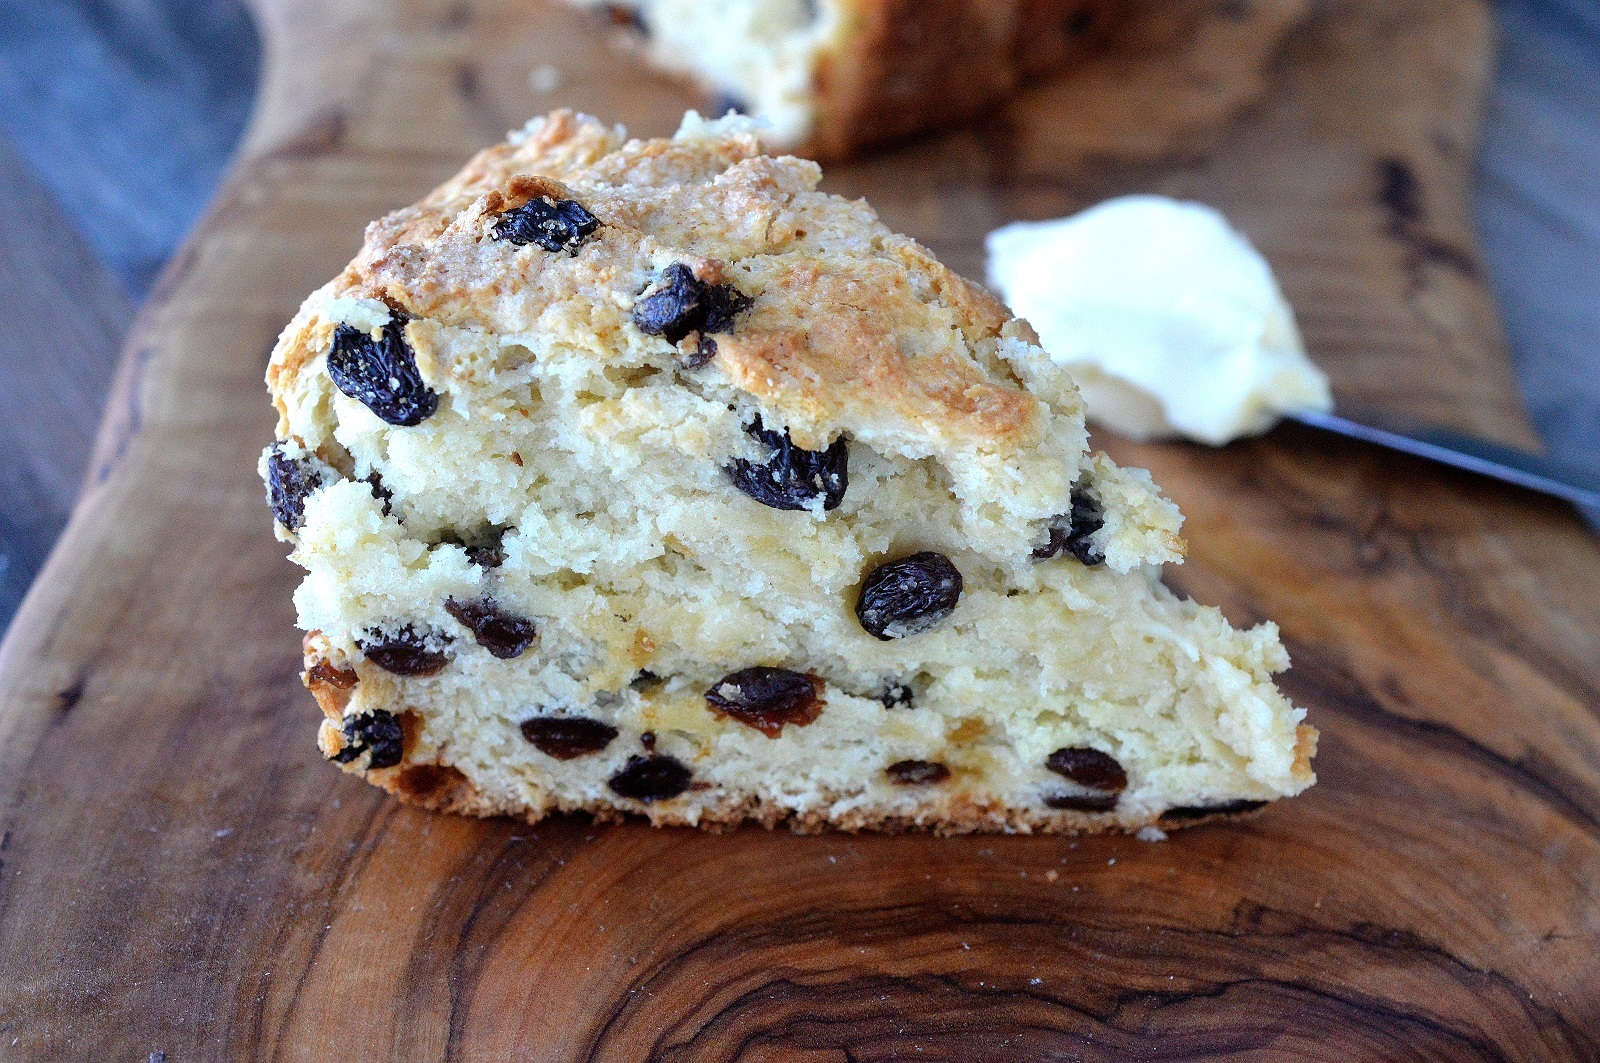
(643, 477)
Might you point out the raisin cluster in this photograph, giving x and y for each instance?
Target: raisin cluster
(898, 599)
(1073, 531)
(651, 777)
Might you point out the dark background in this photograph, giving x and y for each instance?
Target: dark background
(118, 118)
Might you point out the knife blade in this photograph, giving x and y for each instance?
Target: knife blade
(1575, 483)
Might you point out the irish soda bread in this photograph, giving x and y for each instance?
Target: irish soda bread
(833, 76)
(640, 476)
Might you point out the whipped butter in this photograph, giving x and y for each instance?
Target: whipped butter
(1166, 316)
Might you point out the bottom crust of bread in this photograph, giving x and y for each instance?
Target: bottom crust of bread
(444, 789)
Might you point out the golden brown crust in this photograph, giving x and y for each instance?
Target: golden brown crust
(852, 368)
(442, 789)
(914, 65)
(904, 357)
(1305, 748)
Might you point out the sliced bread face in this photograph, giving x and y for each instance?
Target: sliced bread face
(643, 477)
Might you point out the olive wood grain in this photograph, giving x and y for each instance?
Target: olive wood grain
(182, 874)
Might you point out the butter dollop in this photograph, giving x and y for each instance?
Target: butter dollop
(1165, 315)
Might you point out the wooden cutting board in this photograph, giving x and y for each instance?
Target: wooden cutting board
(184, 878)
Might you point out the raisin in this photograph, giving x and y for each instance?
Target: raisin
(917, 772)
(1089, 767)
(645, 680)
(338, 678)
(908, 596)
(673, 309)
(1081, 802)
(648, 740)
(723, 303)
(381, 374)
(487, 555)
(378, 731)
(895, 695)
(289, 481)
(1226, 808)
(767, 698)
(380, 491)
(505, 635)
(565, 737)
(486, 550)
(793, 476)
(403, 652)
(682, 303)
(705, 350)
(653, 778)
(1087, 518)
(1072, 531)
(555, 225)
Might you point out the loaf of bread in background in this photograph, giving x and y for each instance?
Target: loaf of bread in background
(833, 77)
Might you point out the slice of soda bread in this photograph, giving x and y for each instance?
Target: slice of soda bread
(832, 77)
(640, 476)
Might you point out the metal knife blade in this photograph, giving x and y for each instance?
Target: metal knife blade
(1575, 483)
